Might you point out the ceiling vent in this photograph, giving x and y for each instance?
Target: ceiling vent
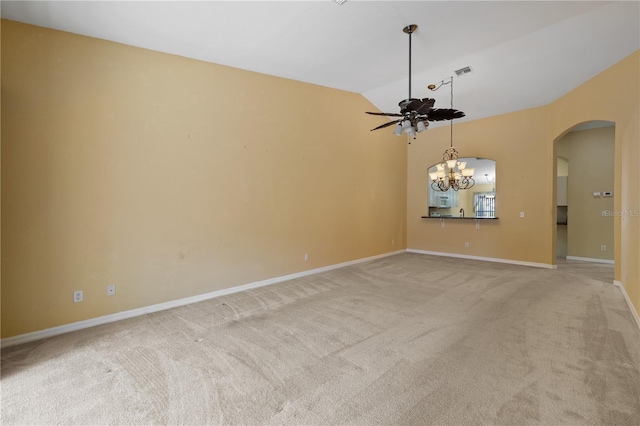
(463, 71)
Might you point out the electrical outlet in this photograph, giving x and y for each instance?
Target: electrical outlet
(521, 214)
(111, 290)
(77, 296)
(306, 257)
(466, 244)
(603, 247)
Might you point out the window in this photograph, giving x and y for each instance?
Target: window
(484, 204)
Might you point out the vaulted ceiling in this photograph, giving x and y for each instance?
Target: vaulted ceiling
(522, 54)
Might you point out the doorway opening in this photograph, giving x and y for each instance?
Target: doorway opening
(585, 164)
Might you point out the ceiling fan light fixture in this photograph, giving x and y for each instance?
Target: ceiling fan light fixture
(421, 127)
(398, 130)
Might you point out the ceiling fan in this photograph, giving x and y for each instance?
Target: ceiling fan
(415, 114)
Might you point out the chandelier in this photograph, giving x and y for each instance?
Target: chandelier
(451, 173)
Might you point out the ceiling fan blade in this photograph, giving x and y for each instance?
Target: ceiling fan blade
(386, 114)
(387, 124)
(427, 104)
(439, 114)
(421, 106)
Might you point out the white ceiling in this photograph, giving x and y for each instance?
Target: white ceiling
(523, 54)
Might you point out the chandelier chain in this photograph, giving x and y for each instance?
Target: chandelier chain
(447, 177)
(451, 121)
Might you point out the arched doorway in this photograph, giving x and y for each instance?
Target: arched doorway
(584, 176)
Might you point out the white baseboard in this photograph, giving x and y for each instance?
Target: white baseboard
(485, 259)
(591, 259)
(80, 325)
(632, 308)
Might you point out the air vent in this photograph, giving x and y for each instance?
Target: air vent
(340, 1)
(463, 71)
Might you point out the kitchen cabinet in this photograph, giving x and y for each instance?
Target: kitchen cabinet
(443, 200)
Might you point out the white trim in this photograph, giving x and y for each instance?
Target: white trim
(485, 259)
(80, 325)
(591, 259)
(634, 313)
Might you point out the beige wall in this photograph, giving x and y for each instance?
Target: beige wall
(600, 99)
(170, 177)
(591, 158)
(0, 163)
(516, 142)
(523, 145)
(563, 167)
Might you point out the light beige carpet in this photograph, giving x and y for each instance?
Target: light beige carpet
(408, 339)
